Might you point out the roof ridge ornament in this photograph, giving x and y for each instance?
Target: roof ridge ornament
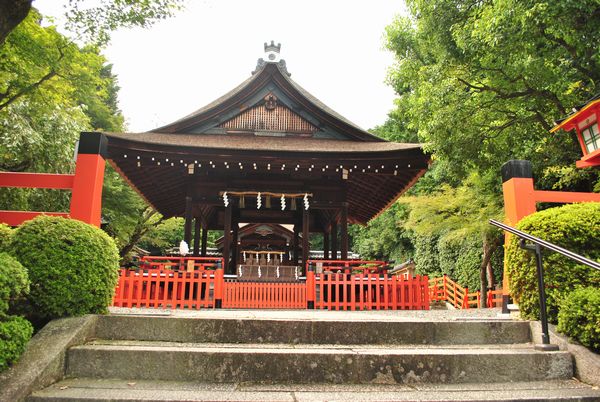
(272, 56)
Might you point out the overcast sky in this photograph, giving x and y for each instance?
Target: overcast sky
(333, 48)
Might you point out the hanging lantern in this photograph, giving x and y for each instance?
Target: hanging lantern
(242, 202)
(268, 201)
(306, 204)
(225, 199)
(293, 205)
(258, 201)
(282, 202)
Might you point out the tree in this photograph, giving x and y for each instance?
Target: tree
(453, 216)
(91, 21)
(481, 82)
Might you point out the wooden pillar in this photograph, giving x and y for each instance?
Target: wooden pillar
(305, 235)
(234, 245)
(204, 240)
(226, 238)
(86, 196)
(334, 243)
(519, 201)
(344, 232)
(295, 245)
(197, 224)
(325, 245)
(187, 228)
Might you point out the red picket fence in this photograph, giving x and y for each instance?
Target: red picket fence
(181, 263)
(270, 295)
(165, 288)
(198, 282)
(445, 289)
(348, 266)
(370, 292)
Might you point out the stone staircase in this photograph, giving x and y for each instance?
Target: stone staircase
(313, 357)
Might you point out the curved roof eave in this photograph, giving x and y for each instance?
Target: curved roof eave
(260, 77)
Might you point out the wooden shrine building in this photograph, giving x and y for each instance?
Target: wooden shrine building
(266, 152)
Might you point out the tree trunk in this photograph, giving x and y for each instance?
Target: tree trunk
(140, 230)
(12, 12)
(488, 250)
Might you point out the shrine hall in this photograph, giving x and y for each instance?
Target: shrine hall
(267, 152)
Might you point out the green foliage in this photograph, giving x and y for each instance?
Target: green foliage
(15, 332)
(575, 227)
(14, 281)
(95, 21)
(384, 238)
(6, 233)
(427, 257)
(167, 234)
(72, 266)
(481, 82)
(579, 316)
(50, 91)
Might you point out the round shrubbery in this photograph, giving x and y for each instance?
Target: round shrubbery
(6, 233)
(13, 281)
(73, 266)
(575, 227)
(15, 332)
(579, 317)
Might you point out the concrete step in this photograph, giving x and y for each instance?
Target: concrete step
(345, 328)
(150, 391)
(337, 364)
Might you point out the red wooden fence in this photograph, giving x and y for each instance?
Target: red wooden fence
(269, 295)
(370, 292)
(164, 288)
(198, 282)
(445, 289)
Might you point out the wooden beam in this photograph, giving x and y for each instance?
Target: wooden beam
(334, 240)
(344, 230)
(305, 235)
(197, 237)
(204, 241)
(227, 237)
(187, 236)
(295, 244)
(326, 245)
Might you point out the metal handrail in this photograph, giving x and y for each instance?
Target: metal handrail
(546, 244)
(536, 247)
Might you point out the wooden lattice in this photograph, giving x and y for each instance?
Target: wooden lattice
(280, 119)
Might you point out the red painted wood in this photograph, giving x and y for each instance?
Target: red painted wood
(37, 180)
(15, 218)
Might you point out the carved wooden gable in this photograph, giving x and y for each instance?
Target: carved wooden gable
(270, 116)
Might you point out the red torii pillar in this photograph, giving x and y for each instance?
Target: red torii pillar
(520, 198)
(86, 196)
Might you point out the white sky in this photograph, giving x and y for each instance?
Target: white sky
(333, 48)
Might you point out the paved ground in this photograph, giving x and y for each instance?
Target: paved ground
(325, 315)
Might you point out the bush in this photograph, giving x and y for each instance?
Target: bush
(579, 317)
(427, 259)
(13, 281)
(468, 263)
(73, 266)
(6, 233)
(575, 227)
(15, 332)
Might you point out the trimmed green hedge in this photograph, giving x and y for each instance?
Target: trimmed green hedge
(579, 317)
(73, 266)
(15, 332)
(6, 233)
(575, 227)
(13, 281)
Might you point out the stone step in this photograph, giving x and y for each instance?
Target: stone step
(285, 363)
(150, 391)
(345, 328)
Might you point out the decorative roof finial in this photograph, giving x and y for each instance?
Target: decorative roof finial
(272, 56)
(272, 52)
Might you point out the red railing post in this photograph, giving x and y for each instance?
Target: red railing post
(219, 286)
(466, 299)
(310, 286)
(86, 197)
(445, 285)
